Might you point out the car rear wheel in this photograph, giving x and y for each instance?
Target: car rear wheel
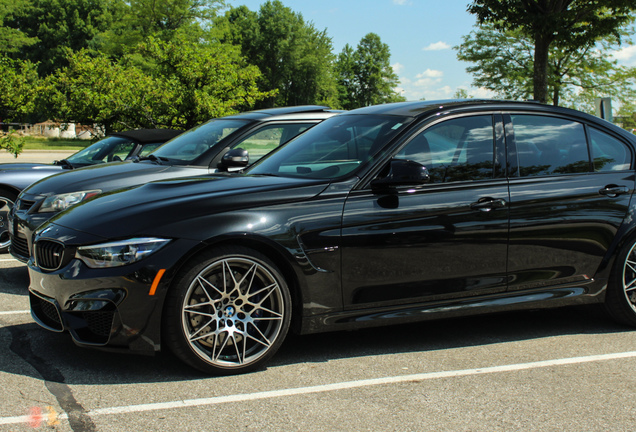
(227, 312)
(7, 199)
(620, 299)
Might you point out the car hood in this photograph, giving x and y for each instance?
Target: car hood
(154, 206)
(9, 167)
(110, 176)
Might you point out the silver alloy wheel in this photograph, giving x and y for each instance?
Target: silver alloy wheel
(629, 277)
(5, 206)
(233, 312)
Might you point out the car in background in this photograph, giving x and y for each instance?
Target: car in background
(387, 214)
(247, 137)
(117, 146)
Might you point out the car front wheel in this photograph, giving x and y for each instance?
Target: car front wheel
(227, 312)
(620, 299)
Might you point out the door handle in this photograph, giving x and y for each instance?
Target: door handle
(613, 190)
(488, 204)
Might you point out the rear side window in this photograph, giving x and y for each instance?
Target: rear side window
(608, 153)
(550, 145)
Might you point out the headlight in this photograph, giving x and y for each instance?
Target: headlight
(57, 203)
(119, 253)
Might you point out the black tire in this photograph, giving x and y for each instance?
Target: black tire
(227, 312)
(620, 299)
(7, 199)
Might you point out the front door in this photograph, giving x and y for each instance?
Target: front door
(444, 240)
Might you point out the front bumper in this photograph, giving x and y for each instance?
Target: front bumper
(109, 308)
(23, 220)
(112, 310)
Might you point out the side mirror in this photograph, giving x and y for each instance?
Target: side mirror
(235, 158)
(403, 173)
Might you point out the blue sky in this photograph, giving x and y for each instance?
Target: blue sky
(421, 35)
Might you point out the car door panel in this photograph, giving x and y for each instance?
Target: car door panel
(424, 245)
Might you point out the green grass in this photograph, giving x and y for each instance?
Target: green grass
(37, 143)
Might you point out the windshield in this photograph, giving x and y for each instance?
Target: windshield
(109, 149)
(193, 143)
(336, 147)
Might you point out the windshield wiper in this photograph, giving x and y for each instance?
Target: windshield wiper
(64, 163)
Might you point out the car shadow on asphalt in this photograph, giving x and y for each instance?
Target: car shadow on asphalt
(14, 280)
(449, 333)
(40, 354)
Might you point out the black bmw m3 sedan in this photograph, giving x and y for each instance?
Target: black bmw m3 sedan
(386, 214)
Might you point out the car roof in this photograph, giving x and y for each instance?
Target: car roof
(287, 113)
(146, 136)
(420, 108)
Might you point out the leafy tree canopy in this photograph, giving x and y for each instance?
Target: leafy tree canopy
(12, 40)
(20, 89)
(365, 76)
(59, 25)
(568, 23)
(294, 57)
(503, 63)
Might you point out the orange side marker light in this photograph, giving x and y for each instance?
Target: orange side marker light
(155, 283)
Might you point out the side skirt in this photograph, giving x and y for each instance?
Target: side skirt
(538, 298)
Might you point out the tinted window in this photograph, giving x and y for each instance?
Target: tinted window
(266, 139)
(193, 143)
(149, 148)
(333, 148)
(107, 150)
(608, 153)
(455, 150)
(549, 145)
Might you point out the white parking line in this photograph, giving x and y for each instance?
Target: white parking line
(322, 388)
(7, 260)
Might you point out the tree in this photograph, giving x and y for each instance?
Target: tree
(59, 25)
(365, 76)
(191, 84)
(12, 40)
(504, 64)
(162, 19)
(97, 90)
(20, 89)
(11, 143)
(203, 81)
(293, 56)
(568, 23)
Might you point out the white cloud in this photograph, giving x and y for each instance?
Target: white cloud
(481, 93)
(437, 46)
(400, 2)
(626, 55)
(397, 67)
(430, 73)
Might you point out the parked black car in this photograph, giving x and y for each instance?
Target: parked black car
(386, 214)
(117, 146)
(196, 152)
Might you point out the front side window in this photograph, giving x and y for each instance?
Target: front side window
(550, 145)
(455, 150)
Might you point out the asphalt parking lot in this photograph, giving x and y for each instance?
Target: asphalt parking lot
(563, 369)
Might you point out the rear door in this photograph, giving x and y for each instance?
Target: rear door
(567, 198)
